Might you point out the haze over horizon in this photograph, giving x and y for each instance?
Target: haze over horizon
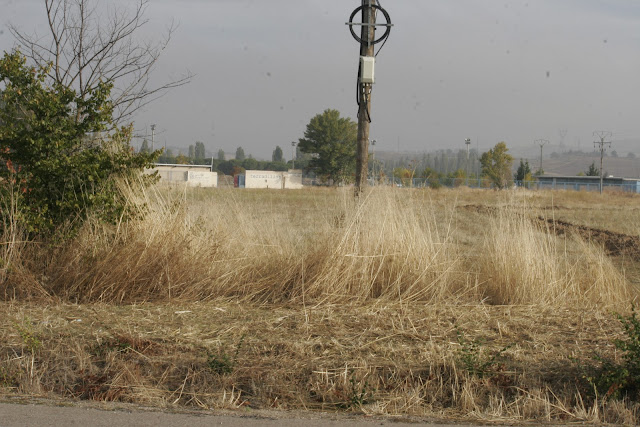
(512, 71)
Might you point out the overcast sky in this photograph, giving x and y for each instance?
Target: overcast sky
(489, 70)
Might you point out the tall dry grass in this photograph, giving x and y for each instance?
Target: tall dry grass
(389, 245)
(378, 247)
(526, 263)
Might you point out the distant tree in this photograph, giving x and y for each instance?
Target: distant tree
(277, 155)
(593, 170)
(523, 171)
(631, 155)
(496, 164)
(554, 155)
(237, 170)
(614, 153)
(331, 140)
(192, 152)
(181, 159)
(404, 175)
(250, 164)
(432, 177)
(144, 148)
(240, 154)
(457, 177)
(200, 151)
(221, 156)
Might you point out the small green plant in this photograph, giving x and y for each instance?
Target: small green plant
(6, 379)
(223, 364)
(117, 344)
(616, 380)
(359, 395)
(477, 362)
(29, 337)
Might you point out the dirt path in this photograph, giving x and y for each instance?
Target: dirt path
(47, 414)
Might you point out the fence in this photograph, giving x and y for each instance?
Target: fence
(631, 186)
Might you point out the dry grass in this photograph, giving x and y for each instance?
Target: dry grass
(310, 299)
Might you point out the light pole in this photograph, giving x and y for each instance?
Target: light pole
(541, 143)
(467, 142)
(293, 157)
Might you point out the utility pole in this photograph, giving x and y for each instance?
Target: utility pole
(602, 135)
(541, 143)
(367, 40)
(562, 132)
(364, 94)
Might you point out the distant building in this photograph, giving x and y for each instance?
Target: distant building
(291, 179)
(188, 175)
(588, 183)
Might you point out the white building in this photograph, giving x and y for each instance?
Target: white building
(189, 175)
(291, 179)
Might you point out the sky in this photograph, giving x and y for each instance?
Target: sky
(488, 70)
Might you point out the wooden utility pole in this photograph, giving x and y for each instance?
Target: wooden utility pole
(367, 35)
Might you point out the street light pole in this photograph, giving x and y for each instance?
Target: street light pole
(542, 143)
(467, 143)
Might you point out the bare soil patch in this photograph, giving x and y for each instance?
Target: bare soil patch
(616, 244)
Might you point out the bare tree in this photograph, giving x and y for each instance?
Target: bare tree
(88, 43)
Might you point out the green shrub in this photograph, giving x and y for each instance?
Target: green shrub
(60, 155)
(611, 379)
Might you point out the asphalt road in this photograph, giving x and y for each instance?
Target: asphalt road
(46, 414)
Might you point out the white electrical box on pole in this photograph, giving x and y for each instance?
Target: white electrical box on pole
(367, 69)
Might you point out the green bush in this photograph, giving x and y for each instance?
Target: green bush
(60, 155)
(611, 379)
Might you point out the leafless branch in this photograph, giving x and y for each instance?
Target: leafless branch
(88, 44)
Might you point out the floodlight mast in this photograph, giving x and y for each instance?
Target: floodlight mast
(602, 135)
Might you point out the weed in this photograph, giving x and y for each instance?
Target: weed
(474, 360)
(359, 395)
(29, 337)
(221, 363)
(7, 379)
(614, 380)
(116, 344)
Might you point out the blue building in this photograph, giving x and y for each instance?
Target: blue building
(588, 183)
